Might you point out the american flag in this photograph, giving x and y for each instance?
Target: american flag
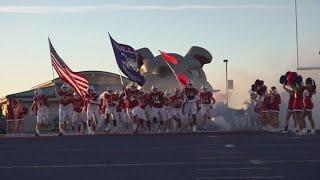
(78, 82)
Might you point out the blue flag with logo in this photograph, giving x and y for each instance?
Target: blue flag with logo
(128, 61)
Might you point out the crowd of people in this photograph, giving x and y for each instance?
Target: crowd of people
(129, 110)
(300, 104)
(132, 110)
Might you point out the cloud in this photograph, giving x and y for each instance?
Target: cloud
(115, 7)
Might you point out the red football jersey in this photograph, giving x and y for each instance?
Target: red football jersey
(20, 111)
(206, 97)
(10, 113)
(41, 100)
(65, 98)
(177, 101)
(190, 93)
(110, 99)
(156, 99)
(143, 99)
(78, 104)
(121, 103)
(166, 101)
(94, 98)
(131, 98)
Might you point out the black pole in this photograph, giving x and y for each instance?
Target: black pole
(226, 61)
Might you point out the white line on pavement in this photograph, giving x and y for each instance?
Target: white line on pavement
(44, 150)
(151, 164)
(237, 168)
(243, 177)
(222, 157)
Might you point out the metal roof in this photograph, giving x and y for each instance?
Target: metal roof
(47, 87)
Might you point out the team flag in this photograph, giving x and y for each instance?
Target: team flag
(78, 82)
(183, 79)
(168, 58)
(128, 60)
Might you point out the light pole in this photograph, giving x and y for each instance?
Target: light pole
(226, 61)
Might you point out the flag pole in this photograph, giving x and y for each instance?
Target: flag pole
(50, 56)
(296, 26)
(122, 82)
(175, 75)
(54, 83)
(120, 77)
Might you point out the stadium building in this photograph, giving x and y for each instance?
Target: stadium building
(99, 79)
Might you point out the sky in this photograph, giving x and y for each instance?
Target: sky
(256, 36)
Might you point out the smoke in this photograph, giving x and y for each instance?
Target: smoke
(221, 123)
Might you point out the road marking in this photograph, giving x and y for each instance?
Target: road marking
(92, 165)
(44, 150)
(259, 162)
(243, 177)
(149, 164)
(256, 162)
(213, 136)
(216, 154)
(222, 157)
(295, 137)
(237, 168)
(229, 146)
(290, 144)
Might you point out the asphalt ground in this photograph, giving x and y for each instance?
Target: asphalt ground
(199, 156)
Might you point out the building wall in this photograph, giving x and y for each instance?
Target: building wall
(100, 80)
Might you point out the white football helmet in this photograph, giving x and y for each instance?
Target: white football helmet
(190, 84)
(167, 93)
(133, 85)
(91, 90)
(76, 95)
(109, 90)
(177, 90)
(116, 92)
(65, 87)
(154, 88)
(204, 88)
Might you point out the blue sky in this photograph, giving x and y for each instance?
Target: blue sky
(257, 36)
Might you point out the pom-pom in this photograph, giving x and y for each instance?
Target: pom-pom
(310, 81)
(257, 82)
(298, 80)
(262, 90)
(288, 73)
(283, 80)
(253, 87)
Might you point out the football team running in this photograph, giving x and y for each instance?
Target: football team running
(129, 110)
(132, 110)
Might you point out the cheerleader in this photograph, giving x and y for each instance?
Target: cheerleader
(298, 108)
(10, 117)
(21, 111)
(289, 109)
(309, 91)
(274, 107)
(263, 103)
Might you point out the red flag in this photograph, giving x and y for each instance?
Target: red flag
(78, 82)
(183, 78)
(168, 58)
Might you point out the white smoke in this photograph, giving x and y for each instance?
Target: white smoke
(221, 123)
